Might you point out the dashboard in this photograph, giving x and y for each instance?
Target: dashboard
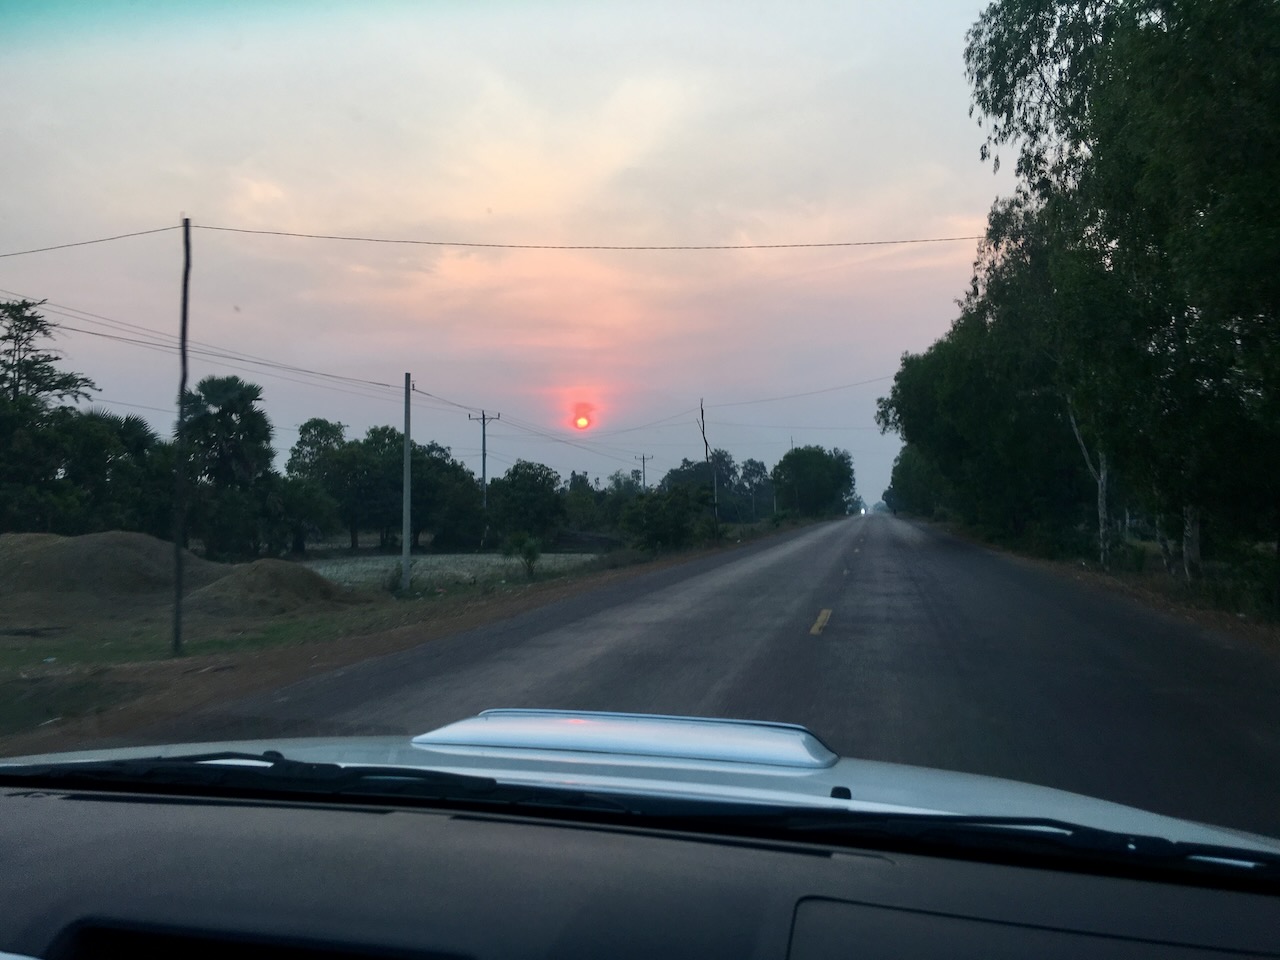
(88, 874)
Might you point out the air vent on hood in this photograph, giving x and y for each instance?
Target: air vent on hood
(634, 735)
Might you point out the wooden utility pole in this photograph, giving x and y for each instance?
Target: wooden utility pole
(715, 487)
(180, 441)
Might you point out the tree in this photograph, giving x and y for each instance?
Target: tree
(229, 435)
(346, 472)
(526, 499)
(754, 479)
(317, 437)
(813, 481)
(446, 499)
(663, 519)
(28, 372)
(1156, 122)
(229, 439)
(307, 511)
(581, 502)
(384, 492)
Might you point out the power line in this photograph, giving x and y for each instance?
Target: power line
(808, 393)
(138, 406)
(75, 313)
(585, 246)
(653, 423)
(460, 406)
(519, 424)
(224, 360)
(85, 243)
(158, 340)
(783, 426)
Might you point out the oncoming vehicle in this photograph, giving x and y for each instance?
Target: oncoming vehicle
(530, 833)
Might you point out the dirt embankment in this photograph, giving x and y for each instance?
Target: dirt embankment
(86, 578)
(106, 564)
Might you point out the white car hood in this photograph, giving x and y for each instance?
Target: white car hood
(697, 758)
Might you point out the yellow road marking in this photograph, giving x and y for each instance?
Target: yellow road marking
(823, 617)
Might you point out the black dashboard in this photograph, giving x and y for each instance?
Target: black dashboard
(96, 874)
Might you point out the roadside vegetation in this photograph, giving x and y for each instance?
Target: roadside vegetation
(300, 567)
(72, 471)
(1111, 386)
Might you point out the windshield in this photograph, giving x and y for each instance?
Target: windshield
(909, 373)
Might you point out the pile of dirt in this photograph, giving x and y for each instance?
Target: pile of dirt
(114, 563)
(264, 588)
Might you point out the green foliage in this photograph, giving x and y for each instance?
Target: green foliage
(317, 439)
(526, 499)
(815, 482)
(28, 372)
(228, 435)
(1121, 337)
(228, 440)
(662, 520)
(527, 549)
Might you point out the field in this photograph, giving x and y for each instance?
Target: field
(85, 623)
(443, 570)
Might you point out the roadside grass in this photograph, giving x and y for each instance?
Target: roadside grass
(68, 659)
(1234, 595)
(29, 702)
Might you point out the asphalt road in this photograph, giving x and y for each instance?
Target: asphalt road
(890, 640)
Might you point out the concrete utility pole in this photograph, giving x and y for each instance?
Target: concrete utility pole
(180, 443)
(408, 489)
(484, 419)
(644, 458)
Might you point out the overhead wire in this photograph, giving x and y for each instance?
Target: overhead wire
(581, 246)
(807, 393)
(85, 243)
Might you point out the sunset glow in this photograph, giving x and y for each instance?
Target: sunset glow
(534, 188)
(582, 415)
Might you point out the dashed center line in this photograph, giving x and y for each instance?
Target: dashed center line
(823, 617)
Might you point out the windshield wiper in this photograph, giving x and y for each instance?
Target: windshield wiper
(1020, 839)
(270, 774)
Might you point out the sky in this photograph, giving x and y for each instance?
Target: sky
(525, 123)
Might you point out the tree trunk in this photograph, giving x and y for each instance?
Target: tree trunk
(1166, 551)
(1099, 474)
(1191, 542)
(355, 538)
(1104, 530)
(1275, 599)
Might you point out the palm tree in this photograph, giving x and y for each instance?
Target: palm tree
(228, 435)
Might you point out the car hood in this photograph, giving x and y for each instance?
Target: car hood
(703, 759)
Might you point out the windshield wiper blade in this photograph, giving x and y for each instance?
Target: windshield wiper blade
(256, 774)
(1016, 836)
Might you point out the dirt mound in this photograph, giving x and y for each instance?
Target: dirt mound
(264, 588)
(111, 563)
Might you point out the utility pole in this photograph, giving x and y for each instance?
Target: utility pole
(181, 466)
(644, 458)
(408, 489)
(715, 487)
(484, 419)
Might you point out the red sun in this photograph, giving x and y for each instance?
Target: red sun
(582, 415)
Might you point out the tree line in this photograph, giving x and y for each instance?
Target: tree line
(1115, 364)
(71, 471)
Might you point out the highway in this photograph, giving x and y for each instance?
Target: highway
(890, 640)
